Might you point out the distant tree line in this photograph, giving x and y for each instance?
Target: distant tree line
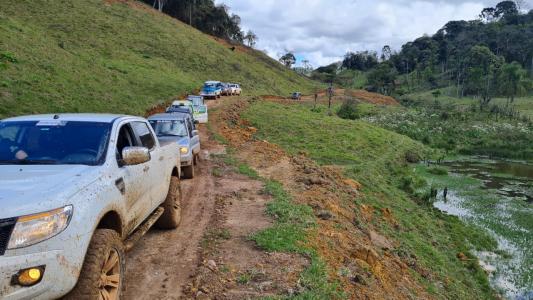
(207, 17)
(491, 56)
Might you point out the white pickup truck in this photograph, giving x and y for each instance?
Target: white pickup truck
(76, 192)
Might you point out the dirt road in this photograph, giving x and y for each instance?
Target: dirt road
(210, 253)
(162, 261)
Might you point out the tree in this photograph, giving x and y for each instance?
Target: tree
(159, 4)
(386, 53)
(505, 9)
(288, 59)
(362, 60)
(481, 71)
(204, 15)
(307, 67)
(251, 38)
(383, 78)
(513, 81)
(488, 14)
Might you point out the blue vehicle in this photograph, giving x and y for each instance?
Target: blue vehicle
(211, 90)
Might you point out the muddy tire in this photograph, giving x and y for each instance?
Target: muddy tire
(188, 172)
(102, 274)
(171, 217)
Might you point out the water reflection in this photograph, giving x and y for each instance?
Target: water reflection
(511, 179)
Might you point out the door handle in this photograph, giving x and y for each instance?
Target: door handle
(121, 186)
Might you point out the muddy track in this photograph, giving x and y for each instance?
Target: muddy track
(162, 262)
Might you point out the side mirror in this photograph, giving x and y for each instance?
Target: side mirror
(135, 156)
(195, 133)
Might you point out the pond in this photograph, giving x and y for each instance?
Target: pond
(512, 179)
(497, 196)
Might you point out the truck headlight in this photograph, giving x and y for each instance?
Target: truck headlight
(32, 229)
(184, 150)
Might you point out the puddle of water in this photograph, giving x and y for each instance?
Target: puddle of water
(511, 179)
(502, 203)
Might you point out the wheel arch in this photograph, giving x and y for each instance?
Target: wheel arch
(176, 172)
(111, 220)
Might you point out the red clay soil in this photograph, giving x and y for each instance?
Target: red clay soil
(370, 97)
(360, 258)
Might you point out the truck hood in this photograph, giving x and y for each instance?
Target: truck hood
(32, 189)
(182, 141)
(210, 90)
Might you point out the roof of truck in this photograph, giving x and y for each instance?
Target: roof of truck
(169, 116)
(102, 118)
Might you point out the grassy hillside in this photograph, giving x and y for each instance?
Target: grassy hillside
(116, 56)
(425, 239)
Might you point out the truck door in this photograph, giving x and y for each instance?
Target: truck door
(154, 175)
(131, 183)
(195, 139)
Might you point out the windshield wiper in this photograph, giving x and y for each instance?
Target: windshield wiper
(29, 162)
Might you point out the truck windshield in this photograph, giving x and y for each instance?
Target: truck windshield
(169, 127)
(53, 142)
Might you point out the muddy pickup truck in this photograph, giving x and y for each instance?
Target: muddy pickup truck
(76, 192)
(174, 128)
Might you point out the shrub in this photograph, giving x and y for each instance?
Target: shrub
(349, 110)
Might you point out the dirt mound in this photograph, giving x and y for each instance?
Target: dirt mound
(370, 97)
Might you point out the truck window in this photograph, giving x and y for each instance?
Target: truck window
(125, 139)
(190, 126)
(145, 135)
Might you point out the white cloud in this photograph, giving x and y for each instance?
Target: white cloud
(322, 31)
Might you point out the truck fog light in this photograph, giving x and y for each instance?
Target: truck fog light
(29, 277)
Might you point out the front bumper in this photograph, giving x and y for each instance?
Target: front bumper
(186, 159)
(62, 257)
(208, 95)
(59, 277)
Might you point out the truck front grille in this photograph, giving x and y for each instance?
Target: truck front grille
(6, 227)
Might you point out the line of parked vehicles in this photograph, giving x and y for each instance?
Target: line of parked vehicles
(216, 89)
(78, 190)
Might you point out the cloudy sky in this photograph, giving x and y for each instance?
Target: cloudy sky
(322, 31)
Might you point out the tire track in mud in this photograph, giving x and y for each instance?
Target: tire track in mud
(162, 262)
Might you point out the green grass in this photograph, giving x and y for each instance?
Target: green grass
(89, 56)
(289, 234)
(377, 158)
(523, 104)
